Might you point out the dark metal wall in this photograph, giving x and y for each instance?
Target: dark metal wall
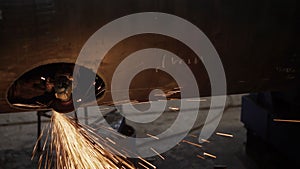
(256, 39)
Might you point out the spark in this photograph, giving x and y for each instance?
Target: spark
(27, 105)
(145, 161)
(110, 140)
(199, 156)
(224, 134)
(285, 120)
(193, 135)
(174, 108)
(209, 155)
(173, 99)
(157, 153)
(152, 136)
(142, 165)
(194, 144)
(43, 78)
(204, 140)
(173, 92)
(110, 130)
(75, 147)
(160, 95)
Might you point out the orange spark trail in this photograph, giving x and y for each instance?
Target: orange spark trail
(77, 148)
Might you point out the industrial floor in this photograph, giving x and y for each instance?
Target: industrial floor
(19, 130)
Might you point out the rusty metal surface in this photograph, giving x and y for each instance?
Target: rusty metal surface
(256, 40)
